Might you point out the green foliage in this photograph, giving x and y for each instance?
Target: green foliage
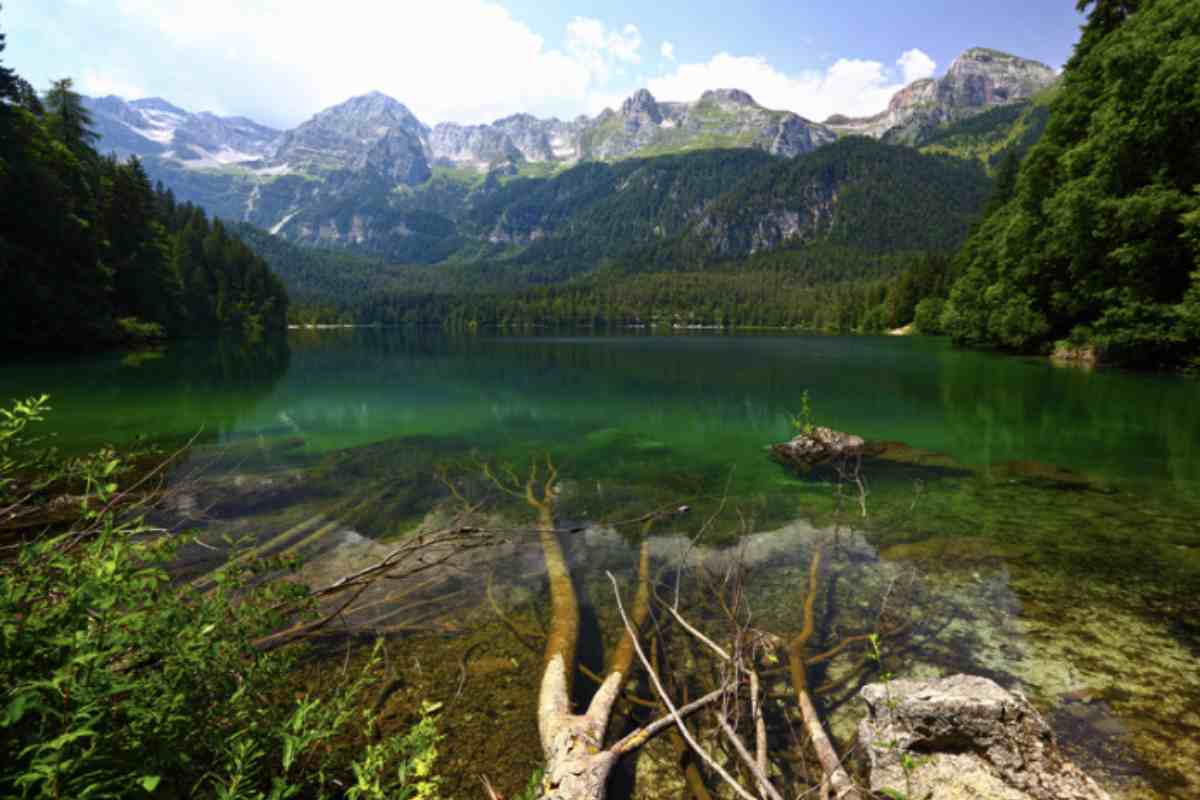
(68, 118)
(908, 762)
(1097, 233)
(136, 330)
(928, 315)
(533, 789)
(802, 421)
(86, 241)
(116, 681)
(15, 442)
(637, 242)
(855, 194)
(399, 767)
(1004, 133)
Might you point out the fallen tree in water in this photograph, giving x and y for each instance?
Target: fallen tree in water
(578, 759)
(578, 764)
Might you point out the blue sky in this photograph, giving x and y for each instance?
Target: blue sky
(280, 61)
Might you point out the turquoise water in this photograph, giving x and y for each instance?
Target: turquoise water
(1054, 508)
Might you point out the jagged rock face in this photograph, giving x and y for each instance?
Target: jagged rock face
(237, 133)
(540, 140)
(981, 78)
(728, 97)
(398, 157)
(791, 135)
(340, 137)
(155, 127)
(641, 109)
(720, 118)
(478, 146)
(977, 80)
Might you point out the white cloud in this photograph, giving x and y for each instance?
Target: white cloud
(462, 60)
(280, 61)
(855, 87)
(102, 84)
(916, 65)
(593, 45)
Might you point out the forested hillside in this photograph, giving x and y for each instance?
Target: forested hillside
(1096, 240)
(92, 255)
(605, 243)
(858, 195)
(1004, 133)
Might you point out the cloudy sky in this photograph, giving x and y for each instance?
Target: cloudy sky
(280, 61)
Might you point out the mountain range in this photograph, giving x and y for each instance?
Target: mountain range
(367, 173)
(344, 136)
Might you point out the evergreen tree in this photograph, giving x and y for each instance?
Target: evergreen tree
(91, 255)
(69, 118)
(1092, 246)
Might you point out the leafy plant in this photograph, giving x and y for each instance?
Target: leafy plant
(13, 439)
(117, 681)
(533, 789)
(802, 422)
(399, 767)
(908, 763)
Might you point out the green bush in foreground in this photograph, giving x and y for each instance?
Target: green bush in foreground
(115, 682)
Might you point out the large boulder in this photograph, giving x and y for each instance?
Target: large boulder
(964, 737)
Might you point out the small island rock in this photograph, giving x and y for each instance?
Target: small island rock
(819, 445)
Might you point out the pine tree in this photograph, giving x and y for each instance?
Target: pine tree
(69, 117)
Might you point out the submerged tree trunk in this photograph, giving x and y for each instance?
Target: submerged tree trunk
(577, 765)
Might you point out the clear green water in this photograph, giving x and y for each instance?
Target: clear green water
(1054, 509)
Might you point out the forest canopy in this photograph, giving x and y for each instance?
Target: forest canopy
(1097, 241)
(92, 255)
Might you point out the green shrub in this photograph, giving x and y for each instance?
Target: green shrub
(116, 681)
(132, 329)
(928, 316)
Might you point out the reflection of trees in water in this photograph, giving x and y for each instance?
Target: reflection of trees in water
(1102, 422)
(223, 379)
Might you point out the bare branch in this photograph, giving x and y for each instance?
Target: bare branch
(665, 697)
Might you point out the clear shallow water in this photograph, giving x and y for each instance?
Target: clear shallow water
(1055, 511)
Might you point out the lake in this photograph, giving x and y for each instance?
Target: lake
(1043, 519)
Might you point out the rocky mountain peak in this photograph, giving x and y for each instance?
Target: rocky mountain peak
(982, 77)
(728, 96)
(372, 109)
(154, 104)
(642, 104)
(979, 79)
(360, 133)
(517, 119)
(152, 127)
(477, 146)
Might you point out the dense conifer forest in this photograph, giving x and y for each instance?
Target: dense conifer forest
(92, 255)
(1096, 239)
(1085, 237)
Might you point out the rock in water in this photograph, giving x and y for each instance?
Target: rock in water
(968, 738)
(819, 445)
